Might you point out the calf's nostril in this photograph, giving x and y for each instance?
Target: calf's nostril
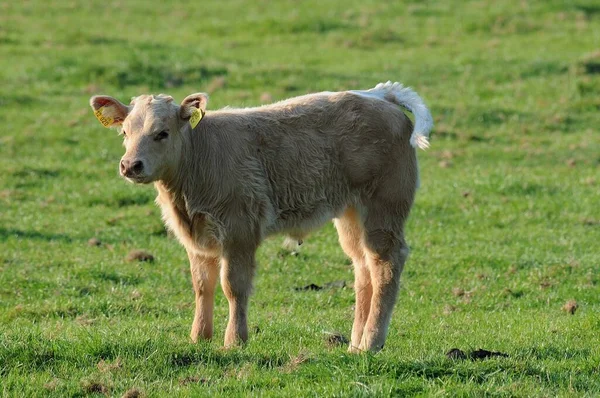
(137, 167)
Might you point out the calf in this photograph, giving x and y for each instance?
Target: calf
(227, 179)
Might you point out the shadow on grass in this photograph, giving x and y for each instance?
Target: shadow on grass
(18, 100)
(6, 233)
(531, 367)
(36, 173)
(226, 358)
(32, 176)
(544, 353)
(526, 188)
(121, 200)
(32, 352)
(589, 10)
(137, 70)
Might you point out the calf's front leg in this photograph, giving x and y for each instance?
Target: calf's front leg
(205, 271)
(237, 272)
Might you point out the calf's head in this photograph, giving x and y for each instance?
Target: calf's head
(153, 129)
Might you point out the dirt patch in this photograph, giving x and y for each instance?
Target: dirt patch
(335, 285)
(590, 64)
(449, 309)
(92, 387)
(484, 354)
(266, 98)
(335, 339)
(506, 292)
(312, 286)
(192, 380)
(590, 222)
(85, 320)
(104, 366)
(592, 68)
(133, 393)
(139, 255)
(463, 294)
(216, 83)
(52, 384)
(135, 295)
(329, 285)
(544, 284)
(94, 242)
(457, 354)
(294, 363)
(570, 307)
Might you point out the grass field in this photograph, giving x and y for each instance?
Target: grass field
(505, 229)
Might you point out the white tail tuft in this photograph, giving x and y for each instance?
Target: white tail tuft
(419, 140)
(409, 99)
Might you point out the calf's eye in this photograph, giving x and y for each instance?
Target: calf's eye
(161, 136)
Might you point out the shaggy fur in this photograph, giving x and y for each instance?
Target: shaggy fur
(244, 174)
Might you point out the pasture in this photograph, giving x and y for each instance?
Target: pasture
(504, 233)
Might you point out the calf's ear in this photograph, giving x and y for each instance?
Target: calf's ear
(192, 104)
(109, 111)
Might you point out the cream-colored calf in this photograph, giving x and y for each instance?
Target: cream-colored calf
(227, 179)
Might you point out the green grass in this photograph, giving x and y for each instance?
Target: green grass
(504, 231)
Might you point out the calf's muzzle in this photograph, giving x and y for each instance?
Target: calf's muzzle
(131, 168)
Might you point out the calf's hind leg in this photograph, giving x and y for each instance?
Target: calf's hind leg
(386, 253)
(351, 233)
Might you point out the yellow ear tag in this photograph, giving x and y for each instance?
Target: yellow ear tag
(105, 120)
(196, 117)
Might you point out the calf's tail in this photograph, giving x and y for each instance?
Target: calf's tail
(407, 98)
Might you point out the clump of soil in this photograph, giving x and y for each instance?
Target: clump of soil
(335, 339)
(570, 307)
(312, 286)
(94, 242)
(105, 366)
(484, 354)
(95, 387)
(51, 385)
(328, 285)
(457, 354)
(294, 363)
(193, 380)
(139, 255)
(133, 393)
